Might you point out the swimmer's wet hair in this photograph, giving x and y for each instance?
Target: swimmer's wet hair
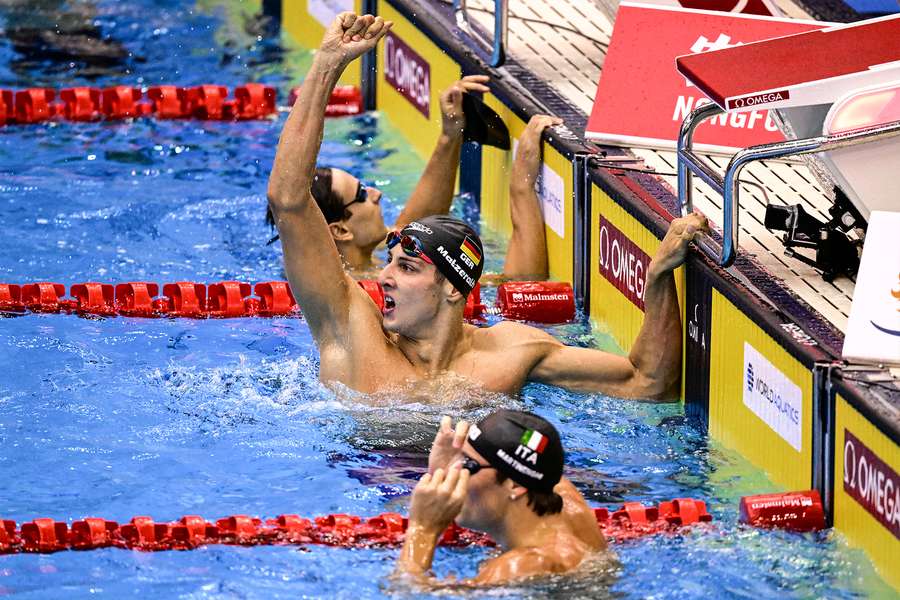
(331, 205)
(542, 503)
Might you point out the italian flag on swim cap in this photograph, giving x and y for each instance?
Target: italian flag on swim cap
(533, 440)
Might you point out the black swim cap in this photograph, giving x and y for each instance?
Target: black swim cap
(453, 247)
(521, 445)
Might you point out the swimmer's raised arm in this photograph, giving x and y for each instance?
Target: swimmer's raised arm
(434, 192)
(526, 254)
(652, 370)
(311, 259)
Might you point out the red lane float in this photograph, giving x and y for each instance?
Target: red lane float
(80, 104)
(345, 101)
(536, 301)
(121, 102)
(34, 105)
(795, 511)
(541, 301)
(207, 102)
(45, 535)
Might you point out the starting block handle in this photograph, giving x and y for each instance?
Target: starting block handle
(501, 29)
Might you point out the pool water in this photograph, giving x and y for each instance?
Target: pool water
(165, 417)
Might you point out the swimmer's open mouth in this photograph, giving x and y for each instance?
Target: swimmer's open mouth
(388, 304)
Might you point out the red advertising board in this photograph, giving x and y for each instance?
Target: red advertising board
(622, 262)
(407, 72)
(872, 483)
(748, 7)
(642, 99)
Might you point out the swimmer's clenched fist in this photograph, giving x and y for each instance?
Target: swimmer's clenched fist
(350, 36)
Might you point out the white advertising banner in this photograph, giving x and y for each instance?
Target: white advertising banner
(773, 397)
(873, 331)
(552, 191)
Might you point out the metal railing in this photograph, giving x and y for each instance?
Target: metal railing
(728, 185)
(498, 45)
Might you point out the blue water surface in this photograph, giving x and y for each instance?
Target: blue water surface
(165, 417)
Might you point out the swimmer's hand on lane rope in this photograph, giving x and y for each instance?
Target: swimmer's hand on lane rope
(448, 443)
(453, 119)
(350, 36)
(438, 498)
(673, 248)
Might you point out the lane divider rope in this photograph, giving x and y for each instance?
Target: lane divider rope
(207, 102)
(47, 535)
(536, 301)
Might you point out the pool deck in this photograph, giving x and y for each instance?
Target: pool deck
(548, 45)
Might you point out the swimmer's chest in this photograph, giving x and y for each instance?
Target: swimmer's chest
(489, 369)
(492, 370)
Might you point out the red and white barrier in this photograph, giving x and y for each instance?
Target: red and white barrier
(536, 301)
(47, 535)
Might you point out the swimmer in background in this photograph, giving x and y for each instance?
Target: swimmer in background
(502, 476)
(353, 210)
(420, 336)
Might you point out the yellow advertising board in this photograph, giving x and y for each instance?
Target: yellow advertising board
(557, 193)
(867, 489)
(760, 397)
(305, 20)
(412, 72)
(621, 250)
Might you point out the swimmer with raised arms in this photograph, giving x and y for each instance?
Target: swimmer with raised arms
(433, 264)
(502, 476)
(353, 210)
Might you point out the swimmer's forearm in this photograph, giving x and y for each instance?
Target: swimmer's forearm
(298, 147)
(526, 253)
(434, 192)
(656, 353)
(418, 550)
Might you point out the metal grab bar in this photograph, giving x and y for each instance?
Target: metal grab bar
(728, 186)
(501, 29)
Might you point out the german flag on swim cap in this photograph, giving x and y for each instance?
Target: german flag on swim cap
(471, 250)
(521, 445)
(453, 247)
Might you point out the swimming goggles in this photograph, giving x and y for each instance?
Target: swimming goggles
(362, 192)
(473, 466)
(411, 246)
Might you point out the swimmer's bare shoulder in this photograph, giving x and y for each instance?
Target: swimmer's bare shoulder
(501, 357)
(363, 355)
(510, 335)
(561, 557)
